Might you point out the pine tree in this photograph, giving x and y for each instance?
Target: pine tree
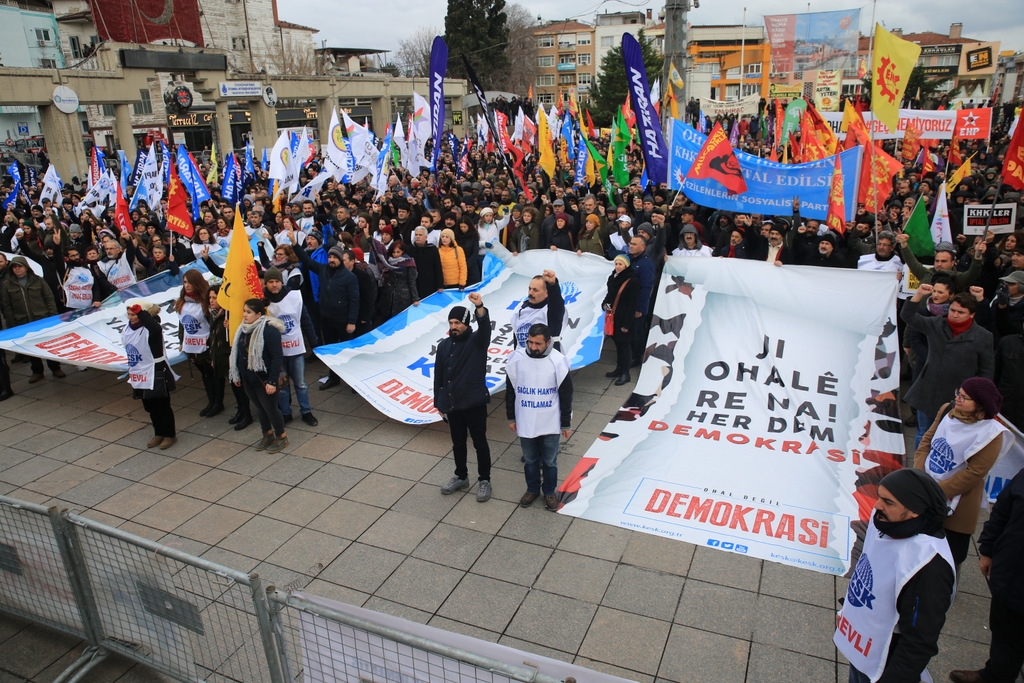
(479, 30)
(611, 87)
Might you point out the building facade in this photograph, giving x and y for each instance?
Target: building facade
(565, 60)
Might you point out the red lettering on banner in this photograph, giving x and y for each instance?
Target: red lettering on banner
(73, 347)
(290, 344)
(408, 396)
(852, 636)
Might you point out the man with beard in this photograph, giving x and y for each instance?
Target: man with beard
(339, 299)
(461, 396)
(544, 304)
(538, 406)
(903, 585)
(84, 284)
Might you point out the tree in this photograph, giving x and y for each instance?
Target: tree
(414, 54)
(477, 29)
(612, 87)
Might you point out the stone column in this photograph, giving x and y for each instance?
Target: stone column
(64, 146)
(123, 130)
(222, 127)
(324, 108)
(264, 127)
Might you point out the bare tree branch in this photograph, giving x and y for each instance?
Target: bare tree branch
(413, 55)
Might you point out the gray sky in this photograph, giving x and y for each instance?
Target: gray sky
(375, 25)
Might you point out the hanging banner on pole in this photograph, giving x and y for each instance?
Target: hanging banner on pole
(392, 367)
(754, 428)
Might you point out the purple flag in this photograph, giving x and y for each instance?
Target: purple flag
(648, 124)
(438, 67)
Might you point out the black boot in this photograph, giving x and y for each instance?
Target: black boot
(624, 378)
(218, 397)
(5, 378)
(208, 388)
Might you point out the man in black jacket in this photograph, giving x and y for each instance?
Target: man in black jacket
(1001, 550)
(367, 291)
(429, 277)
(339, 299)
(461, 396)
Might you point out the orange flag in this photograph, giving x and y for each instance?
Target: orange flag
(1013, 165)
(825, 134)
(178, 218)
(529, 92)
(716, 160)
(911, 142)
(795, 146)
(627, 113)
(927, 165)
(955, 158)
(876, 177)
(854, 127)
(836, 219)
(812, 147)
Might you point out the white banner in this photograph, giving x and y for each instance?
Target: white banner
(970, 124)
(746, 106)
(392, 366)
(760, 409)
(976, 217)
(91, 337)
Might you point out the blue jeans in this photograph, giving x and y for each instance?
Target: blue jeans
(541, 457)
(924, 423)
(295, 367)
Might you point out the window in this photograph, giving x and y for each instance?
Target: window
(144, 105)
(43, 35)
(607, 41)
(47, 63)
(583, 79)
(567, 79)
(566, 59)
(547, 79)
(546, 41)
(548, 60)
(583, 39)
(238, 43)
(754, 68)
(76, 47)
(545, 98)
(751, 89)
(108, 110)
(948, 60)
(583, 58)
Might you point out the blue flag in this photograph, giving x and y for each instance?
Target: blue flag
(264, 164)
(581, 164)
(438, 67)
(140, 162)
(249, 176)
(31, 176)
(568, 137)
(166, 154)
(101, 160)
(647, 122)
(125, 174)
(16, 190)
(230, 190)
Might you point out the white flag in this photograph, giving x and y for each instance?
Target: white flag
(312, 188)
(399, 140)
(362, 146)
(337, 151)
(52, 185)
(151, 185)
(518, 130)
(280, 160)
(940, 221)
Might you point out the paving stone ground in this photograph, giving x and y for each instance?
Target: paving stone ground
(351, 511)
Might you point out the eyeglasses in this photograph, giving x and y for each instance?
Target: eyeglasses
(961, 396)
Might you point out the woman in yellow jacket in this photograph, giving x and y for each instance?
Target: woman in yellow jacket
(453, 260)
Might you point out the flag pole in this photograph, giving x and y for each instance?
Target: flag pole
(871, 129)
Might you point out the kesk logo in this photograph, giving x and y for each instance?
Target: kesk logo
(940, 459)
(859, 593)
(134, 357)
(191, 324)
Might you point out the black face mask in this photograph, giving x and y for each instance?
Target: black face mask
(922, 524)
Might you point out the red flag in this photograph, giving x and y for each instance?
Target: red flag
(779, 142)
(876, 177)
(627, 113)
(591, 130)
(911, 142)
(517, 169)
(1013, 165)
(927, 165)
(178, 218)
(836, 219)
(795, 146)
(716, 160)
(773, 156)
(813, 147)
(856, 130)
(955, 158)
(122, 216)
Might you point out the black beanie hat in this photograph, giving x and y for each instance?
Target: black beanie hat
(916, 491)
(460, 313)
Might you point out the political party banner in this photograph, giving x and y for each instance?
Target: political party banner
(827, 87)
(648, 125)
(392, 367)
(746, 106)
(770, 186)
(813, 40)
(976, 217)
(785, 92)
(760, 422)
(91, 337)
(969, 124)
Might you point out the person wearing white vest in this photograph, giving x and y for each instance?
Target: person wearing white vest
(903, 585)
(194, 329)
(544, 304)
(286, 305)
(958, 450)
(538, 405)
(149, 374)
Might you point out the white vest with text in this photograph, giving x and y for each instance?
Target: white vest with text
(289, 311)
(536, 382)
(195, 328)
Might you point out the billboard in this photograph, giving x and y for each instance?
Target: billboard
(145, 21)
(813, 40)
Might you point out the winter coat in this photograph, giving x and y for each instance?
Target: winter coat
(1002, 539)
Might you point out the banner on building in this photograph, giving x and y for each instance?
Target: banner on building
(753, 423)
(392, 367)
(746, 106)
(785, 92)
(969, 124)
(770, 185)
(145, 21)
(813, 40)
(976, 218)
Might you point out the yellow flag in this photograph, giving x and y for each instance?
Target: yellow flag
(958, 175)
(241, 282)
(211, 177)
(674, 77)
(547, 154)
(890, 71)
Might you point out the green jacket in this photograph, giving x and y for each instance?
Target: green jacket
(24, 304)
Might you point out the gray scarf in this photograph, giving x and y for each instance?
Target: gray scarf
(255, 357)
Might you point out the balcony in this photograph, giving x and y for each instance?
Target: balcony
(566, 67)
(567, 47)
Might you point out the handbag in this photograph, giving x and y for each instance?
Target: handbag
(609, 316)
